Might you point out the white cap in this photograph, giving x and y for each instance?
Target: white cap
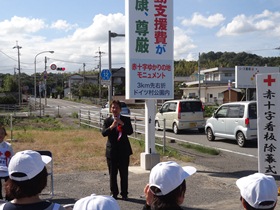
(257, 188)
(167, 176)
(97, 202)
(28, 162)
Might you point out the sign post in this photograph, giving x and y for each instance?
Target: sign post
(268, 112)
(106, 77)
(149, 63)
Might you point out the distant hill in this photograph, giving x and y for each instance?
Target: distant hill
(223, 59)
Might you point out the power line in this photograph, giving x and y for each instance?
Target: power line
(8, 56)
(69, 61)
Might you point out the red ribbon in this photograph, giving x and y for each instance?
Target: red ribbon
(119, 129)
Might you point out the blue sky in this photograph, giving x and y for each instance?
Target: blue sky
(76, 30)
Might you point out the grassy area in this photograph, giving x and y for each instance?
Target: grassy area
(74, 149)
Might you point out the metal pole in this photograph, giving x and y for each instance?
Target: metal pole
(110, 69)
(19, 85)
(45, 79)
(99, 75)
(199, 76)
(35, 85)
(110, 87)
(40, 104)
(11, 126)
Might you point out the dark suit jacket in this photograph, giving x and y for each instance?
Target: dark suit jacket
(115, 148)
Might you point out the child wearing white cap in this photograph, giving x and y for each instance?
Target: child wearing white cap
(97, 202)
(258, 191)
(167, 186)
(27, 179)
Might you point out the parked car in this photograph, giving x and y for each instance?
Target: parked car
(181, 115)
(235, 120)
(105, 111)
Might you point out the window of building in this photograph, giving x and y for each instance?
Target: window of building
(191, 95)
(228, 74)
(220, 95)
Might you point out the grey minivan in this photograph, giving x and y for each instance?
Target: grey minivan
(235, 120)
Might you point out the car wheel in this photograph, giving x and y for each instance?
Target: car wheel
(210, 135)
(240, 138)
(157, 125)
(175, 128)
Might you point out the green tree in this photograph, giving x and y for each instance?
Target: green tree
(9, 84)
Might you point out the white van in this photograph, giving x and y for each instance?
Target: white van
(235, 120)
(181, 115)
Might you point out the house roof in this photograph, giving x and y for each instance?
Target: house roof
(233, 89)
(216, 69)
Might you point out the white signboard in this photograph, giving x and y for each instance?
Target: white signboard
(105, 82)
(245, 76)
(268, 100)
(149, 46)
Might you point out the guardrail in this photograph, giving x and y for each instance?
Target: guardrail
(94, 119)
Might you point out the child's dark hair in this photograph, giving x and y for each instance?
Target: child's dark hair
(169, 200)
(3, 128)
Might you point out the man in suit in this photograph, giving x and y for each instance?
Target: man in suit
(118, 148)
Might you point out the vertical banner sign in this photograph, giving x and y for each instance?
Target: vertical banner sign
(149, 49)
(268, 100)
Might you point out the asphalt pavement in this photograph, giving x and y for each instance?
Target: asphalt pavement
(212, 187)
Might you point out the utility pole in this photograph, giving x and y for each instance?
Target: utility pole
(19, 85)
(45, 79)
(84, 72)
(99, 75)
(199, 76)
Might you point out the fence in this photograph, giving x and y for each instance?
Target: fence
(94, 119)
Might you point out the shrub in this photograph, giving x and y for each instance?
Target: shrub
(8, 100)
(209, 110)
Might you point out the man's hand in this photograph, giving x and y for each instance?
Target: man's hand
(116, 122)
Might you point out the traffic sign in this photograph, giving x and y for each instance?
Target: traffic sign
(105, 82)
(53, 67)
(106, 74)
(45, 74)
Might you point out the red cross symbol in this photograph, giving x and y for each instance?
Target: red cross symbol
(269, 80)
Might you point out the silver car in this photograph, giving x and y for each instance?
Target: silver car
(235, 120)
(181, 115)
(105, 111)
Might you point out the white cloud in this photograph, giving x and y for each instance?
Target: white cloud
(183, 44)
(100, 26)
(267, 22)
(21, 25)
(63, 25)
(200, 20)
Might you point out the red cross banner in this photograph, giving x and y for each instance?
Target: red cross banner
(268, 111)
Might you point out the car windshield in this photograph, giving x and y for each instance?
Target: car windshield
(191, 106)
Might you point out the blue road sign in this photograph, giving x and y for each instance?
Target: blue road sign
(106, 74)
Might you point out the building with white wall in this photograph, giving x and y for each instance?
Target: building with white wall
(213, 82)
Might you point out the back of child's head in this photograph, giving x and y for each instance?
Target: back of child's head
(3, 130)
